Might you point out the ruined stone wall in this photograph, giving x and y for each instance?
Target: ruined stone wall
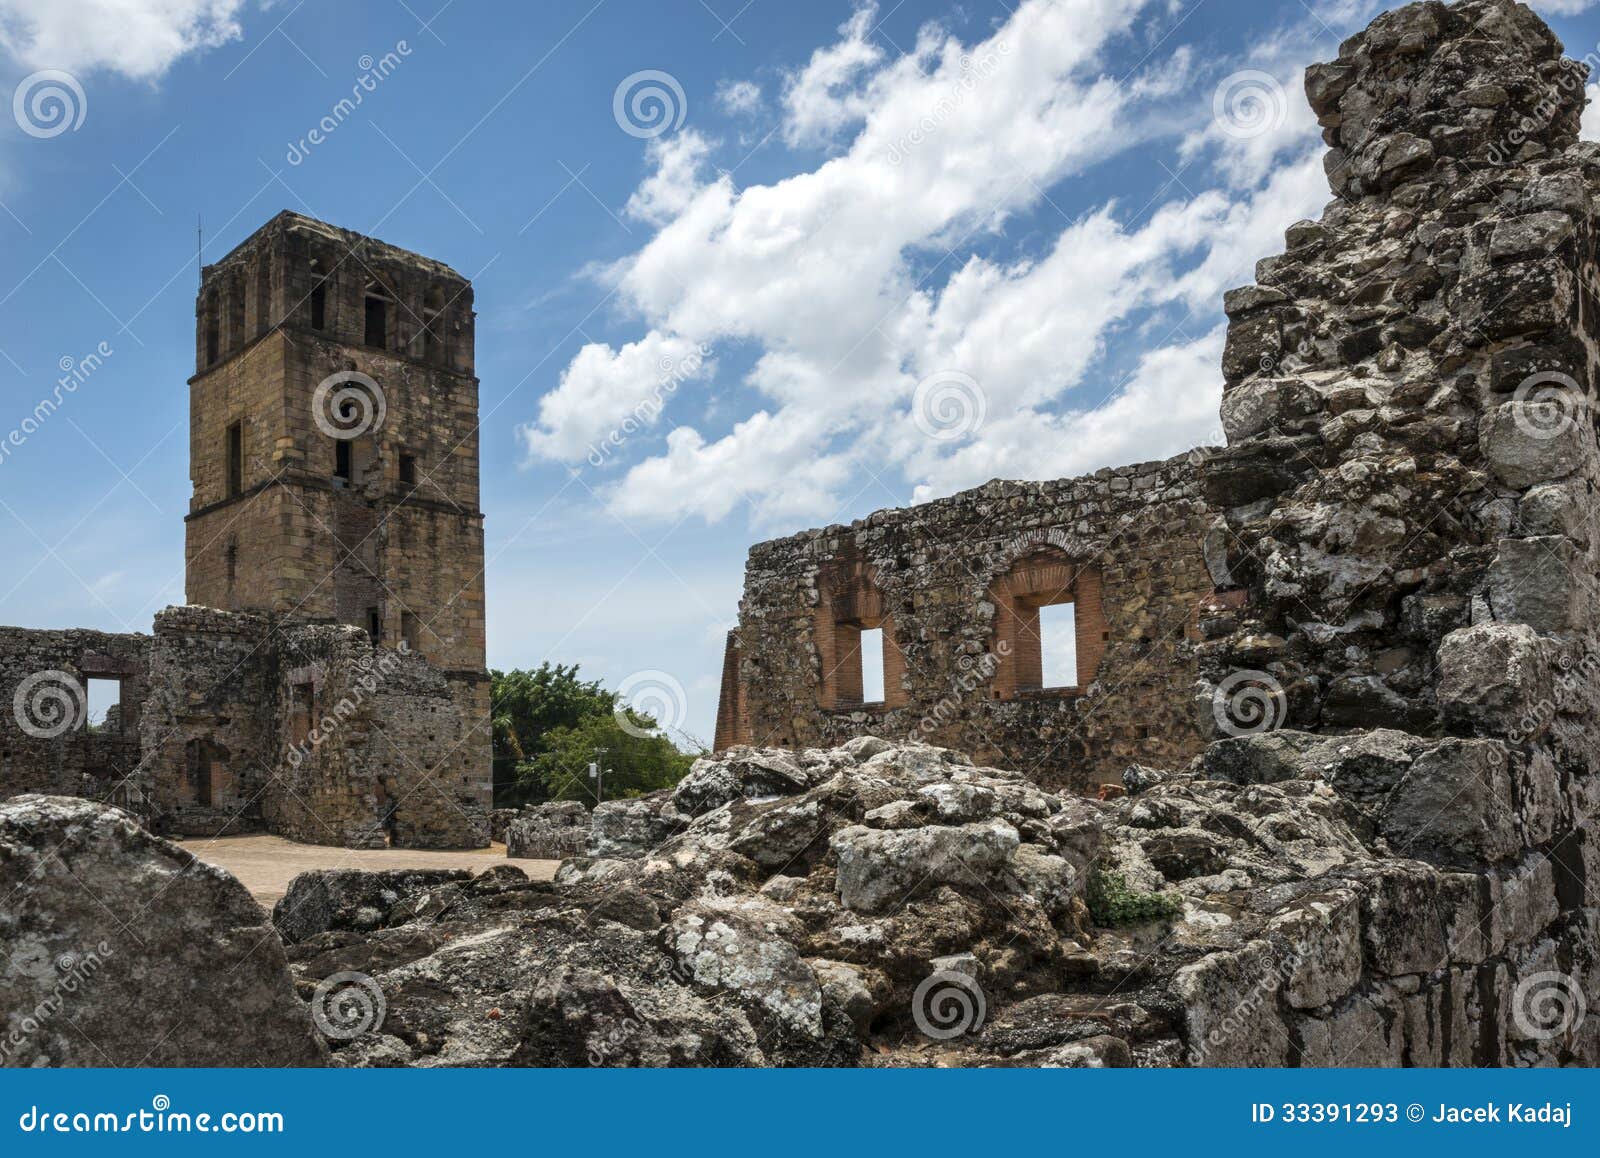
(206, 737)
(377, 745)
(953, 585)
(231, 723)
(1408, 497)
(46, 743)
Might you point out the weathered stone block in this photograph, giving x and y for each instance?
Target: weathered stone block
(1541, 581)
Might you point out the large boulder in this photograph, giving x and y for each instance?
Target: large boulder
(122, 949)
(350, 899)
(632, 827)
(551, 831)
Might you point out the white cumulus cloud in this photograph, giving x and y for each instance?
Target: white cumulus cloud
(138, 38)
(856, 280)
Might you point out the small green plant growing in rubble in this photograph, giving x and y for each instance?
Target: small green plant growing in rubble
(1112, 902)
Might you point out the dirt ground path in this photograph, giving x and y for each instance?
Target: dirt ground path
(266, 864)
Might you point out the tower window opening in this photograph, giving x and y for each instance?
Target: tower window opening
(319, 306)
(377, 318)
(235, 460)
(341, 459)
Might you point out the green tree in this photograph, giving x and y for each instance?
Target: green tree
(527, 707)
(634, 763)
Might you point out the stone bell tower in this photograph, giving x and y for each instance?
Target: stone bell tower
(333, 441)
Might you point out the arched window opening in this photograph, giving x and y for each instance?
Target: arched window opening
(1049, 625)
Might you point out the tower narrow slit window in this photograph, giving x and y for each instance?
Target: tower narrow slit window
(235, 460)
(377, 316)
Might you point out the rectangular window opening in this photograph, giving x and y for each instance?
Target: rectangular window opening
(374, 625)
(235, 459)
(304, 710)
(408, 468)
(1058, 643)
(377, 322)
(408, 629)
(341, 459)
(872, 665)
(105, 704)
(319, 307)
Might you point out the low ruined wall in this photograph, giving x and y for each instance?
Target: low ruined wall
(1124, 545)
(45, 743)
(207, 733)
(376, 745)
(231, 723)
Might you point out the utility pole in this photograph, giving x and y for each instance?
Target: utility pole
(597, 773)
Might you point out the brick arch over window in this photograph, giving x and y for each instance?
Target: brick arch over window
(1045, 577)
(852, 602)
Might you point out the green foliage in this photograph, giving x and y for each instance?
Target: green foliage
(547, 724)
(528, 706)
(634, 764)
(1112, 902)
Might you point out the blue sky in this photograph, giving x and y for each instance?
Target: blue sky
(834, 258)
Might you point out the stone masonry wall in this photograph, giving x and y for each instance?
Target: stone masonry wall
(46, 744)
(378, 745)
(231, 722)
(1408, 496)
(954, 584)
